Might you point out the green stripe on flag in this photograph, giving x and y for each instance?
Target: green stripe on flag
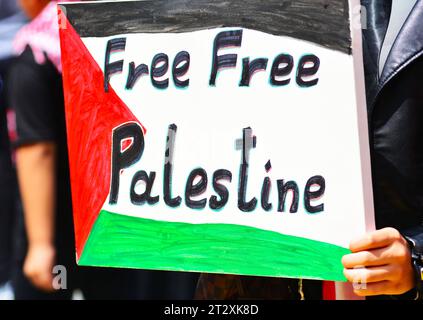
(124, 241)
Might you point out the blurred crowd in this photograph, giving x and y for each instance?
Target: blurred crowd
(36, 229)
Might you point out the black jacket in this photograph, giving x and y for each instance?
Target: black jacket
(395, 113)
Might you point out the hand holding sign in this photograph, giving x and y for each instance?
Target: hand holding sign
(381, 262)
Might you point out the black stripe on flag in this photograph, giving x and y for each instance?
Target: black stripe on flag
(324, 22)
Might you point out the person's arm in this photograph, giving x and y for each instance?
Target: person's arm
(30, 92)
(36, 174)
(380, 263)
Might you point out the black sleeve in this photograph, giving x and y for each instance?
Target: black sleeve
(31, 97)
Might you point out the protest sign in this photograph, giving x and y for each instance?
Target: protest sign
(216, 136)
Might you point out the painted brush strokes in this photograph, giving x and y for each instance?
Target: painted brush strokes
(124, 241)
(325, 22)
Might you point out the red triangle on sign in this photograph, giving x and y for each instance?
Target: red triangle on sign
(91, 115)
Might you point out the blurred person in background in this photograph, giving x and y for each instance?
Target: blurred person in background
(11, 20)
(35, 92)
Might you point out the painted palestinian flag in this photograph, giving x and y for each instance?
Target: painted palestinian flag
(216, 136)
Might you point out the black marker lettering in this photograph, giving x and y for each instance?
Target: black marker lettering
(220, 189)
(278, 71)
(177, 72)
(135, 73)
(192, 190)
(250, 68)
(265, 189)
(303, 71)
(139, 199)
(157, 72)
(283, 189)
(113, 45)
(121, 160)
(311, 195)
(224, 39)
(167, 186)
(247, 143)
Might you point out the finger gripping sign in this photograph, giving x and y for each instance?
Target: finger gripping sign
(216, 136)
